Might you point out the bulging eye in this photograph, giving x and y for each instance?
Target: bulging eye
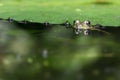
(76, 22)
(87, 22)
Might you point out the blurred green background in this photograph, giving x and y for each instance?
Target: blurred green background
(56, 53)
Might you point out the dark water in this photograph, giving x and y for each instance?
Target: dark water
(34, 51)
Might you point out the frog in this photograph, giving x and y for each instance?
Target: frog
(84, 27)
(80, 27)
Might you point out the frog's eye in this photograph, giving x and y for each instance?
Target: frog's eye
(76, 21)
(87, 22)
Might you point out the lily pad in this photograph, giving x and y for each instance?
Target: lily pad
(59, 11)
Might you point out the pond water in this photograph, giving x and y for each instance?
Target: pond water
(33, 51)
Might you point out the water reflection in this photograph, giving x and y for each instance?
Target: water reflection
(55, 53)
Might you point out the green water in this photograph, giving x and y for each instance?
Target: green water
(56, 53)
